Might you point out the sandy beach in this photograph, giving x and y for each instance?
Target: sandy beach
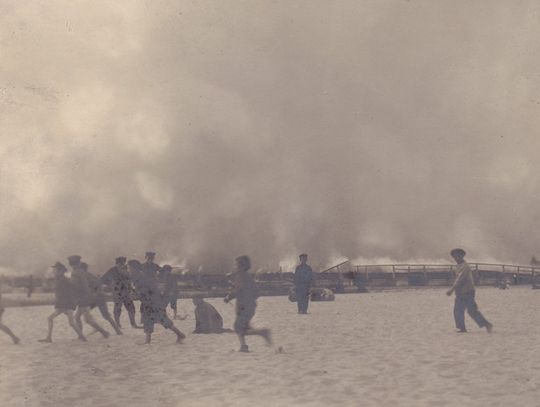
(378, 349)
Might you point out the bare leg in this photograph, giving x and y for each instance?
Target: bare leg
(179, 335)
(117, 311)
(115, 327)
(131, 313)
(78, 320)
(10, 333)
(50, 320)
(90, 321)
(264, 332)
(243, 345)
(74, 325)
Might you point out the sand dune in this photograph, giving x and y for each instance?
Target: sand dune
(379, 349)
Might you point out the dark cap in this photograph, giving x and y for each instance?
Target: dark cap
(303, 255)
(120, 260)
(458, 252)
(166, 268)
(59, 266)
(75, 259)
(150, 254)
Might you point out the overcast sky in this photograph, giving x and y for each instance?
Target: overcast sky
(203, 130)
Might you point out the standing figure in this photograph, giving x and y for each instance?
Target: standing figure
(98, 296)
(4, 328)
(83, 296)
(152, 306)
(245, 292)
(30, 287)
(64, 302)
(465, 292)
(303, 277)
(119, 280)
(170, 289)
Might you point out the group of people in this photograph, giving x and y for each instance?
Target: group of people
(156, 289)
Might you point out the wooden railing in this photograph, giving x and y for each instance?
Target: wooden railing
(407, 268)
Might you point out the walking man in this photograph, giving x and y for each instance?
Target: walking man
(119, 280)
(465, 291)
(303, 277)
(64, 303)
(152, 305)
(83, 296)
(98, 297)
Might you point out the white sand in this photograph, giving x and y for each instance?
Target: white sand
(377, 349)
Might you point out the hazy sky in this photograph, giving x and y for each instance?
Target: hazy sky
(203, 130)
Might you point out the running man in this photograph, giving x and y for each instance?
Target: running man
(118, 279)
(465, 291)
(4, 328)
(245, 292)
(98, 297)
(64, 302)
(152, 306)
(83, 296)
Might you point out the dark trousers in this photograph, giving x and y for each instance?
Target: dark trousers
(467, 302)
(128, 303)
(302, 299)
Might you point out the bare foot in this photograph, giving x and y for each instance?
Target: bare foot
(267, 335)
(16, 340)
(46, 340)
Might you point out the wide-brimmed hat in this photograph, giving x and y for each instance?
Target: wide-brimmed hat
(458, 252)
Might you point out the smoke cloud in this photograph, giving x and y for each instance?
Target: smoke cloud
(204, 130)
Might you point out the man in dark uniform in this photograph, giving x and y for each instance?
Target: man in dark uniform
(303, 277)
(64, 302)
(83, 296)
(152, 306)
(465, 292)
(119, 280)
(98, 296)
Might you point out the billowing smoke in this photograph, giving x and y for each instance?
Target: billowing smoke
(204, 130)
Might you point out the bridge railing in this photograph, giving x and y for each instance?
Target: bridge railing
(400, 269)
